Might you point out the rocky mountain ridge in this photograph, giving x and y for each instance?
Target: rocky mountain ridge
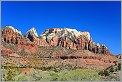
(63, 37)
(54, 47)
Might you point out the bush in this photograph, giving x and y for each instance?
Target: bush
(10, 74)
(66, 75)
(101, 73)
(79, 75)
(106, 73)
(54, 76)
(21, 77)
(119, 66)
(111, 69)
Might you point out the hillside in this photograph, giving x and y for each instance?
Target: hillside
(56, 49)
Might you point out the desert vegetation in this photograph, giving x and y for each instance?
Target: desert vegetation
(14, 74)
(111, 73)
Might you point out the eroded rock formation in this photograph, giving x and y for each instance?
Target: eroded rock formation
(72, 39)
(11, 35)
(63, 37)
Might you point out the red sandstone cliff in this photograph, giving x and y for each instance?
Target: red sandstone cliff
(67, 38)
(84, 50)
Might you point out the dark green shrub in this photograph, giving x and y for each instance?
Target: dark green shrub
(111, 69)
(101, 73)
(116, 69)
(119, 66)
(106, 73)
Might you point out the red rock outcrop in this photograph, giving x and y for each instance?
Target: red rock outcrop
(42, 42)
(28, 47)
(67, 38)
(83, 51)
(72, 39)
(5, 51)
(11, 35)
(32, 36)
(8, 52)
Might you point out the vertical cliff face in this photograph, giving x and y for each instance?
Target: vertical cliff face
(64, 44)
(32, 35)
(11, 35)
(71, 39)
(63, 37)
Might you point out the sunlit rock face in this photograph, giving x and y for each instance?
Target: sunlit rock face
(32, 35)
(63, 37)
(64, 44)
(31, 32)
(14, 29)
(11, 35)
(71, 39)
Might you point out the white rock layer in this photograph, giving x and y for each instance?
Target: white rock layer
(62, 32)
(33, 31)
(15, 30)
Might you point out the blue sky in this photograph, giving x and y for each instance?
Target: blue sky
(101, 19)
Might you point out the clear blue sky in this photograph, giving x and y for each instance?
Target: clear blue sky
(101, 19)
